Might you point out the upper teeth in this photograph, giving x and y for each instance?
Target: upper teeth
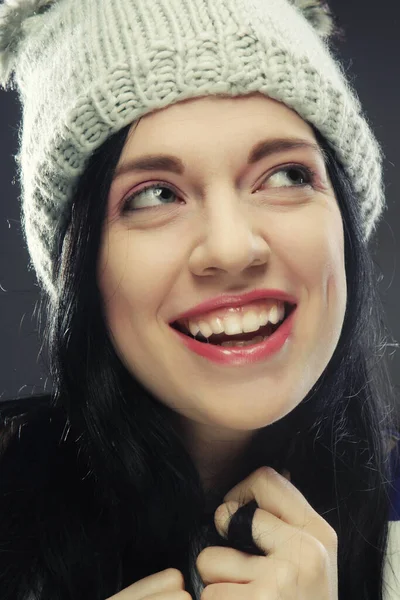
(250, 319)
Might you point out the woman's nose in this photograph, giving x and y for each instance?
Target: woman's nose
(230, 239)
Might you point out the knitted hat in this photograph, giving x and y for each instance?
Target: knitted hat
(87, 68)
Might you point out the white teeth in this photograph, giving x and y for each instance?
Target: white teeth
(234, 324)
(274, 316)
(251, 321)
(205, 329)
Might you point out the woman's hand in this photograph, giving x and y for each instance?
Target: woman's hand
(301, 547)
(164, 585)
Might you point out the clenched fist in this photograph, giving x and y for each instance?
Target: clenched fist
(300, 547)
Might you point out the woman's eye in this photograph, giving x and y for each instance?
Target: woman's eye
(154, 192)
(158, 194)
(297, 175)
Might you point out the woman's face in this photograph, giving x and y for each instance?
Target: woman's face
(222, 226)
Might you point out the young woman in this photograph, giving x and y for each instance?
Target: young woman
(199, 189)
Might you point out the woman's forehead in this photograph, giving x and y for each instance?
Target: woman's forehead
(216, 125)
(218, 112)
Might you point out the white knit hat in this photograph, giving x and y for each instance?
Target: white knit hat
(85, 69)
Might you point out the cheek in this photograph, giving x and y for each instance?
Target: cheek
(111, 264)
(315, 247)
(123, 266)
(315, 254)
(336, 288)
(116, 277)
(133, 279)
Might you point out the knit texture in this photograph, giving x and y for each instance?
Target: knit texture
(84, 69)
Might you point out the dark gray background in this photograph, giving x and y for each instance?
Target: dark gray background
(371, 54)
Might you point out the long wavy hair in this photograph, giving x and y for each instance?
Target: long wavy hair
(143, 507)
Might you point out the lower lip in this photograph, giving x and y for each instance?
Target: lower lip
(241, 355)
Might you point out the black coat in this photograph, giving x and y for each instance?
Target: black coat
(47, 502)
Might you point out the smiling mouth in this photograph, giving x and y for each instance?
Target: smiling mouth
(218, 338)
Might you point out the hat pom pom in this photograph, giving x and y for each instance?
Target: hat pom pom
(14, 17)
(318, 13)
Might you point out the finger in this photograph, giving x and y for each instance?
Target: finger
(220, 564)
(180, 595)
(169, 580)
(278, 496)
(292, 557)
(234, 591)
(271, 534)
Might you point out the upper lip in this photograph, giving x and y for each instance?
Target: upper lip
(230, 300)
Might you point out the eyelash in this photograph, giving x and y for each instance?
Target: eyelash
(309, 173)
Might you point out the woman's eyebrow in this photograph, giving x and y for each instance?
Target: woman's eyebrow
(264, 148)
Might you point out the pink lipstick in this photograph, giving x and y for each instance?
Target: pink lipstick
(241, 355)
